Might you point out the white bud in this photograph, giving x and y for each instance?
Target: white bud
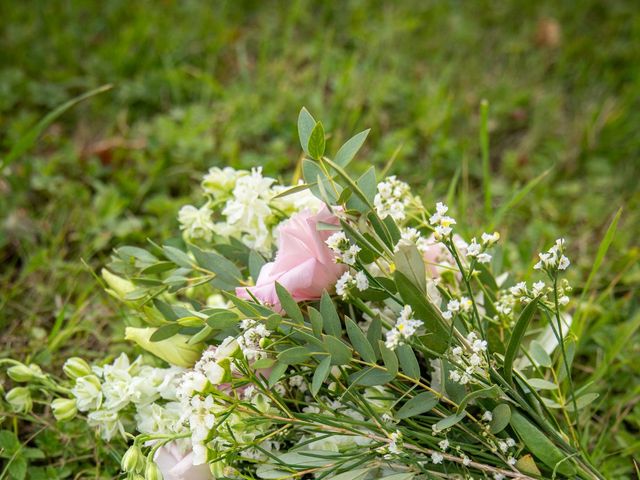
(76, 367)
(64, 409)
(20, 399)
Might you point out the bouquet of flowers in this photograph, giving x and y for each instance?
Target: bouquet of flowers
(336, 328)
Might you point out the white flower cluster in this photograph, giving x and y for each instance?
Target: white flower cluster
(245, 200)
(392, 198)
(406, 326)
(107, 393)
(348, 281)
(441, 222)
(208, 418)
(469, 361)
(456, 306)
(251, 339)
(344, 250)
(477, 250)
(554, 258)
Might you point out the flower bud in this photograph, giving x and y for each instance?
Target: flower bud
(22, 373)
(176, 350)
(118, 286)
(152, 472)
(132, 460)
(20, 399)
(64, 409)
(76, 367)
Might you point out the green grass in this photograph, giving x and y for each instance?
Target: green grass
(197, 84)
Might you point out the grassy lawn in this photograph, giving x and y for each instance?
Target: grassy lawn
(197, 84)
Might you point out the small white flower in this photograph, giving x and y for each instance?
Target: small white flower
(443, 444)
(392, 198)
(563, 300)
(196, 222)
(511, 461)
(537, 288)
(564, 263)
(465, 460)
(484, 258)
(473, 249)
(447, 315)
(362, 282)
(342, 285)
(487, 416)
(436, 458)
(511, 442)
(502, 445)
(489, 239)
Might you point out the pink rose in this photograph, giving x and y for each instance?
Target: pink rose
(439, 260)
(176, 464)
(304, 265)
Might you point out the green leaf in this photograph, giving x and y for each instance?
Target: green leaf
(276, 373)
(9, 443)
(256, 261)
(399, 476)
(18, 468)
(408, 361)
(437, 337)
(526, 464)
(164, 332)
(374, 334)
(369, 186)
(539, 354)
(306, 124)
(141, 254)
(541, 384)
(165, 309)
(359, 341)
(316, 142)
(340, 353)
(177, 256)
(389, 358)
(316, 321)
(583, 401)
(289, 304)
(320, 375)
(350, 148)
(319, 184)
(201, 336)
(293, 355)
(421, 403)
(225, 269)
(358, 474)
(449, 421)
(488, 392)
(410, 262)
(350, 183)
(516, 338)
(540, 446)
(331, 320)
(500, 417)
(370, 377)
(263, 363)
(222, 319)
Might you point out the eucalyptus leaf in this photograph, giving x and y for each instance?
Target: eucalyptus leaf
(350, 148)
(293, 355)
(320, 375)
(421, 403)
(389, 358)
(408, 361)
(177, 256)
(540, 446)
(500, 417)
(164, 332)
(306, 124)
(339, 351)
(316, 144)
(359, 341)
(330, 318)
(289, 304)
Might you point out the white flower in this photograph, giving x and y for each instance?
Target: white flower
(362, 282)
(345, 252)
(502, 445)
(511, 442)
(519, 289)
(563, 263)
(443, 444)
(406, 326)
(473, 249)
(395, 445)
(511, 461)
(220, 181)
(196, 222)
(484, 258)
(88, 393)
(343, 283)
(563, 300)
(487, 416)
(453, 306)
(447, 315)
(436, 457)
(466, 461)
(489, 239)
(392, 198)
(537, 288)
(107, 422)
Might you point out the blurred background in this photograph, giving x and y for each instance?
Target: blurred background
(197, 84)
